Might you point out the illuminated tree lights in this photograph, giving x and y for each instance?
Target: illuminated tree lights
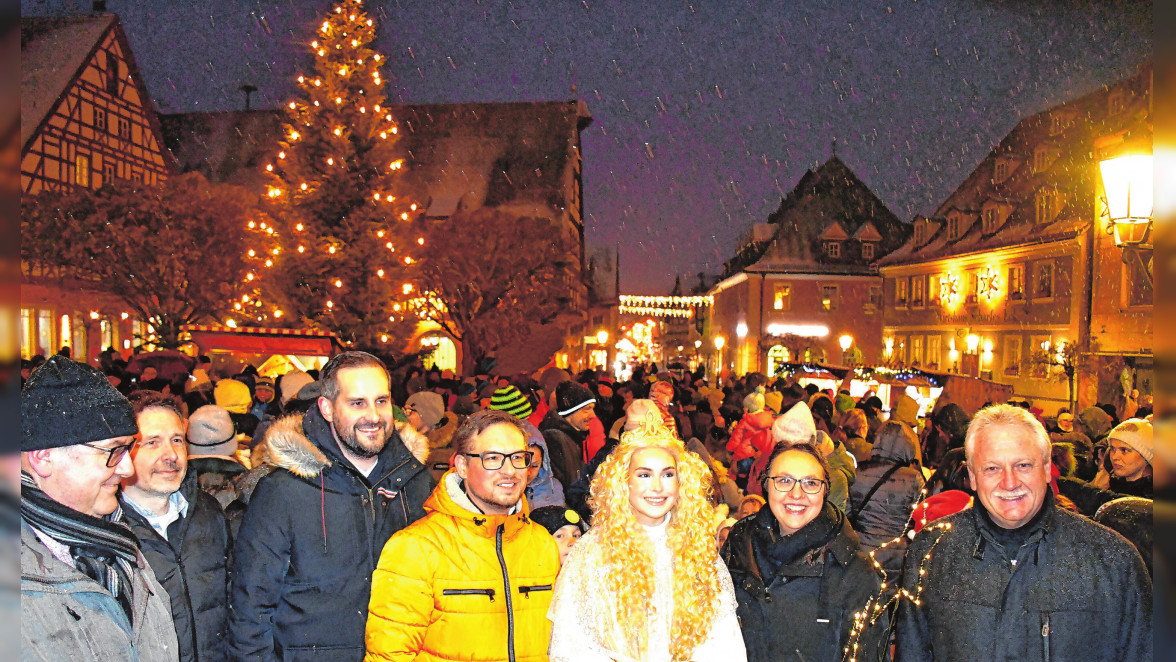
(342, 243)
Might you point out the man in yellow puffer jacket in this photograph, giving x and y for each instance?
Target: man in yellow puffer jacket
(471, 580)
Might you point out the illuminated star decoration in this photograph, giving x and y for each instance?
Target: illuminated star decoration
(989, 283)
(949, 288)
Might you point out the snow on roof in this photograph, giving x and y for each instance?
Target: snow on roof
(52, 52)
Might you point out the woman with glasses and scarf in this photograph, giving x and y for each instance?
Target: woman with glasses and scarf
(800, 577)
(646, 583)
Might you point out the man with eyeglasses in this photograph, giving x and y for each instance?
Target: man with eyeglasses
(87, 592)
(473, 578)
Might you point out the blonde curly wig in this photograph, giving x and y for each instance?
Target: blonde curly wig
(629, 554)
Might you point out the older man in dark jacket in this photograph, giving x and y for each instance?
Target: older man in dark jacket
(315, 526)
(181, 530)
(1015, 577)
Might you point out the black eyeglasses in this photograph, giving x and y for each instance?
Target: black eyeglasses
(494, 461)
(113, 455)
(785, 484)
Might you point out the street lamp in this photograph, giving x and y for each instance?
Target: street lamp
(741, 330)
(973, 343)
(601, 337)
(719, 342)
(1127, 187)
(846, 341)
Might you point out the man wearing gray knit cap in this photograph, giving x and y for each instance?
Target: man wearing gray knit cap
(86, 589)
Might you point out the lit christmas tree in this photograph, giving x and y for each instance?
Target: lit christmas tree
(342, 240)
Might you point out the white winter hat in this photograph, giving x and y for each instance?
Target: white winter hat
(795, 425)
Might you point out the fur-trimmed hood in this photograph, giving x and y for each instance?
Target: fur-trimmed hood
(288, 447)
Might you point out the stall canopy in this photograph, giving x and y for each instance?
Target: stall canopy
(257, 340)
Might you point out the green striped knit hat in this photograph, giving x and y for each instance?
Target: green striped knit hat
(509, 400)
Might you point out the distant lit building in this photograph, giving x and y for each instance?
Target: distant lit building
(806, 278)
(1015, 265)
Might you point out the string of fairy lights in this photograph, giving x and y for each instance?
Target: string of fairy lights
(337, 134)
(661, 306)
(887, 600)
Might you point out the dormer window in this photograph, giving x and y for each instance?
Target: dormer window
(990, 220)
(1001, 171)
(1058, 122)
(867, 251)
(953, 227)
(1042, 157)
(920, 233)
(833, 249)
(1117, 101)
(1046, 205)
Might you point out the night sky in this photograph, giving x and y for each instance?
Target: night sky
(706, 113)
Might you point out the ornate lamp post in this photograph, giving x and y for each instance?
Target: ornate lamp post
(1128, 194)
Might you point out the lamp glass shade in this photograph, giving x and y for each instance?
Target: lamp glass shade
(1127, 181)
(846, 342)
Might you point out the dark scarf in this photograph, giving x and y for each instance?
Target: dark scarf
(104, 549)
(774, 550)
(1012, 540)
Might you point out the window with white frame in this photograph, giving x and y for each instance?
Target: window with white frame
(867, 251)
(1016, 282)
(1044, 286)
(918, 291)
(833, 249)
(916, 351)
(900, 292)
(1046, 204)
(989, 220)
(1012, 356)
(934, 343)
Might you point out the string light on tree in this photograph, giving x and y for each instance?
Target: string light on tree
(333, 194)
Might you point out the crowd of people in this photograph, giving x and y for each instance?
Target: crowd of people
(361, 513)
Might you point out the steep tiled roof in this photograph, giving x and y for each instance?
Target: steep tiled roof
(832, 195)
(52, 52)
(1070, 173)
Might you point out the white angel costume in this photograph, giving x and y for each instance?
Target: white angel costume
(585, 629)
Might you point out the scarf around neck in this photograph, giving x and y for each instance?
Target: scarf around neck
(102, 548)
(773, 550)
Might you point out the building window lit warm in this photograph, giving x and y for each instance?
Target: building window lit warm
(918, 285)
(783, 298)
(82, 171)
(833, 248)
(933, 290)
(828, 297)
(916, 351)
(900, 292)
(934, 344)
(1016, 282)
(1012, 356)
(1045, 281)
(875, 302)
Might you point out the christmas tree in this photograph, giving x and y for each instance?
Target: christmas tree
(342, 238)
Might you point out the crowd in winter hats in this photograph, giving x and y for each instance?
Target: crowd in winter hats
(428, 405)
(233, 395)
(291, 383)
(571, 397)
(795, 425)
(1136, 433)
(510, 400)
(211, 432)
(554, 518)
(65, 403)
(754, 402)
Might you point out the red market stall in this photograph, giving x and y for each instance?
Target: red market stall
(272, 351)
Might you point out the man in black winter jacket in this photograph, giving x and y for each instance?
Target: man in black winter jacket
(345, 482)
(181, 530)
(565, 429)
(1015, 577)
